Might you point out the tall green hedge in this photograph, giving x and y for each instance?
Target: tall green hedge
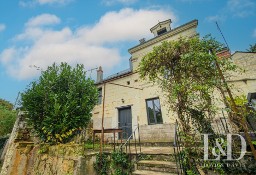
(60, 102)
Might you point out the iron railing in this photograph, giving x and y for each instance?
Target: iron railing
(177, 150)
(132, 148)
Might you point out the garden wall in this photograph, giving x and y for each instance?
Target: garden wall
(26, 157)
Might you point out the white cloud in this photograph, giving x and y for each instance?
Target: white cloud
(32, 3)
(53, 1)
(7, 55)
(127, 24)
(2, 27)
(44, 19)
(241, 8)
(215, 18)
(89, 45)
(112, 2)
(234, 8)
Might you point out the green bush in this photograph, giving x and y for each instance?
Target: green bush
(120, 163)
(60, 102)
(7, 120)
(102, 164)
(6, 104)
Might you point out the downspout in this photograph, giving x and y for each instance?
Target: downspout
(102, 121)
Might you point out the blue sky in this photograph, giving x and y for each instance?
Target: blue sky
(36, 33)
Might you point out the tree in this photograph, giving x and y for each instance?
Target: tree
(7, 117)
(6, 104)
(190, 73)
(187, 73)
(252, 48)
(60, 102)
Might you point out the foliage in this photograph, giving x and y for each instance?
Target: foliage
(6, 104)
(2, 142)
(117, 164)
(252, 48)
(120, 163)
(244, 110)
(247, 166)
(7, 119)
(187, 70)
(102, 164)
(44, 148)
(187, 73)
(60, 102)
(89, 145)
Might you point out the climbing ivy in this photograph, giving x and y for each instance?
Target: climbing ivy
(187, 71)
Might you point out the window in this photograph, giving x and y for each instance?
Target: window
(251, 97)
(161, 31)
(154, 111)
(99, 95)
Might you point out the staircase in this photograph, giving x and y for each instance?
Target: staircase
(150, 158)
(156, 161)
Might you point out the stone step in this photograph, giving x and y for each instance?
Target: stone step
(157, 166)
(150, 150)
(146, 172)
(144, 144)
(159, 157)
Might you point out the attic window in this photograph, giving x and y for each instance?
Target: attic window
(161, 31)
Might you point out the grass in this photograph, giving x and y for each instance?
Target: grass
(90, 145)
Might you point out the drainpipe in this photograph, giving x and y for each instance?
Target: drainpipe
(102, 122)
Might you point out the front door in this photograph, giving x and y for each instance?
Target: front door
(125, 121)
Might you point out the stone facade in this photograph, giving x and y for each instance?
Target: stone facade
(244, 81)
(25, 157)
(126, 89)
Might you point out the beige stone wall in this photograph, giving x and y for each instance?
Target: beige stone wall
(55, 160)
(119, 96)
(131, 97)
(244, 82)
(138, 55)
(157, 133)
(24, 157)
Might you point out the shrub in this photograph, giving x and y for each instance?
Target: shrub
(60, 102)
(7, 118)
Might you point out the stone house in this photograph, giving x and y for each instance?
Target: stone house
(130, 101)
(244, 82)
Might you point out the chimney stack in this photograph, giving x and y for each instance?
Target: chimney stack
(99, 75)
(143, 40)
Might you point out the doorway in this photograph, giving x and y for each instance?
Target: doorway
(125, 122)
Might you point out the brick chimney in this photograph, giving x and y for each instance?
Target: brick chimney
(224, 54)
(99, 75)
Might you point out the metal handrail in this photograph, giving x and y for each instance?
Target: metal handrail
(127, 145)
(177, 150)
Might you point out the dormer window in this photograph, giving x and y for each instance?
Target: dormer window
(161, 31)
(161, 27)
